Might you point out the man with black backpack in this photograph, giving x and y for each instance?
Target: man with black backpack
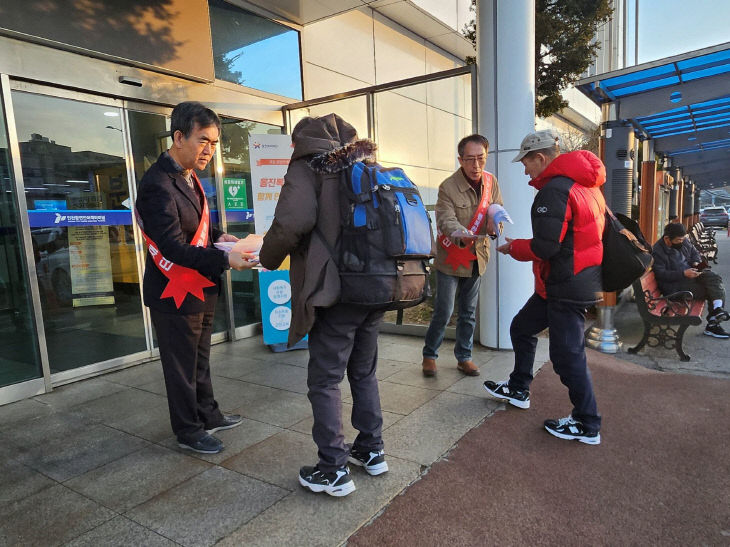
(566, 250)
(342, 337)
(462, 252)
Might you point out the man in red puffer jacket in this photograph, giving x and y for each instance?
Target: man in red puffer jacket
(568, 216)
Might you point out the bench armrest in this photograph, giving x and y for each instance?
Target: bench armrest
(677, 303)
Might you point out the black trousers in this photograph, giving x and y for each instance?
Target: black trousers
(344, 338)
(567, 352)
(184, 342)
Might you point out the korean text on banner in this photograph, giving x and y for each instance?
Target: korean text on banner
(270, 156)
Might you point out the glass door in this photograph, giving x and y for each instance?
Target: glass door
(19, 360)
(149, 134)
(74, 169)
(238, 203)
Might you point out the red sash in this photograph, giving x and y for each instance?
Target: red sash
(463, 256)
(183, 280)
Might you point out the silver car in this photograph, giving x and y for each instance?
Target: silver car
(714, 216)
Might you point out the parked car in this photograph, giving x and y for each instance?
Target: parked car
(714, 216)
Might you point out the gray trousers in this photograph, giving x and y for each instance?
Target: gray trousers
(344, 338)
(707, 286)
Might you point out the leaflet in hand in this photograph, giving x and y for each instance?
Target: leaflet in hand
(463, 234)
(498, 214)
(249, 244)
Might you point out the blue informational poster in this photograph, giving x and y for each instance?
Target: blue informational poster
(275, 292)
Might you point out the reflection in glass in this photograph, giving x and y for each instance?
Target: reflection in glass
(426, 150)
(353, 110)
(78, 207)
(237, 168)
(253, 51)
(19, 360)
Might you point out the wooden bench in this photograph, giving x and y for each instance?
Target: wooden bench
(666, 317)
(704, 241)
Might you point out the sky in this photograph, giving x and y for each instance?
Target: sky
(671, 27)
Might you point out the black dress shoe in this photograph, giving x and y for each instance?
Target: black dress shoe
(205, 445)
(228, 422)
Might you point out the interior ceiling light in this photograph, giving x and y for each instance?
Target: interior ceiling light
(111, 114)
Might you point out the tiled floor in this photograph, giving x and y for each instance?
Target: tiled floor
(95, 462)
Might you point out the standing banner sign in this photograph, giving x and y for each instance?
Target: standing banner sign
(275, 292)
(270, 156)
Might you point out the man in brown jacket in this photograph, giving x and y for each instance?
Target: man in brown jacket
(341, 337)
(463, 251)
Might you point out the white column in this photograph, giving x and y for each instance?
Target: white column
(506, 82)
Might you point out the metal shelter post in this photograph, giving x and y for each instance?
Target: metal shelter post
(506, 77)
(618, 147)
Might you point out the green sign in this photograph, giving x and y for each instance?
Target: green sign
(235, 192)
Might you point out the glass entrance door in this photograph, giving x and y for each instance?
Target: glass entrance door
(149, 134)
(19, 360)
(78, 196)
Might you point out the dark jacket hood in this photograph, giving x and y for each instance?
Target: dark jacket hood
(331, 143)
(581, 166)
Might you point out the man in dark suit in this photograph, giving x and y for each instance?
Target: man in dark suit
(183, 274)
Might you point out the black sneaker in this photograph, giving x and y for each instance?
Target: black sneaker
(228, 422)
(336, 484)
(718, 315)
(572, 430)
(515, 397)
(372, 460)
(714, 329)
(207, 444)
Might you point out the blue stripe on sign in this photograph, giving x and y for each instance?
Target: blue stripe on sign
(79, 217)
(244, 215)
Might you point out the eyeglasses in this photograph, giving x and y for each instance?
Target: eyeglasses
(473, 159)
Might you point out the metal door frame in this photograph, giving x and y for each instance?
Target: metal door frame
(51, 380)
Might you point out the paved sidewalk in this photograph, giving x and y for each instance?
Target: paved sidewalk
(660, 476)
(95, 463)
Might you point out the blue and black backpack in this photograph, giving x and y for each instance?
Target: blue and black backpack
(386, 240)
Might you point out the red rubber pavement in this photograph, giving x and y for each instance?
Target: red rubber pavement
(661, 475)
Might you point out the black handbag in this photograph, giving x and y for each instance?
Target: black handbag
(626, 253)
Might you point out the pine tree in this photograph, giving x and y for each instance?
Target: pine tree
(564, 46)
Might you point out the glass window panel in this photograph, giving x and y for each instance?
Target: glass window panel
(237, 168)
(19, 360)
(354, 111)
(449, 95)
(422, 138)
(255, 52)
(402, 129)
(76, 187)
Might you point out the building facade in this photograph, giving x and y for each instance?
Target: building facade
(86, 92)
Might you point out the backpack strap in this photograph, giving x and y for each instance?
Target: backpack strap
(322, 178)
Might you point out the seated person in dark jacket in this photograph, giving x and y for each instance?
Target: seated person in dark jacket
(678, 266)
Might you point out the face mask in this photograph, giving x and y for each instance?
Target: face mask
(677, 246)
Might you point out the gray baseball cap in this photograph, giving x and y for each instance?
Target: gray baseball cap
(547, 138)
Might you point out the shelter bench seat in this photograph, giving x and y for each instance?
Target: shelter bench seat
(704, 241)
(666, 317)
